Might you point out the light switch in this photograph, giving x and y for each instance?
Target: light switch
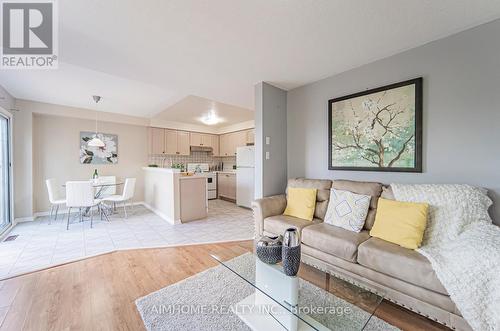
(268, 155)
(268, 140)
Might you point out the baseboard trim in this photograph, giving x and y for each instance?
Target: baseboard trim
(162, 215)
(24, 219)
(62, 211)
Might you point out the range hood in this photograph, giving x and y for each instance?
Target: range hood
(201, 149)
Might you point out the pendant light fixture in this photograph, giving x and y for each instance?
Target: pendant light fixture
(95, 141)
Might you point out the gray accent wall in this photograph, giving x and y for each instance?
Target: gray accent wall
(270, 121)
(461, 112)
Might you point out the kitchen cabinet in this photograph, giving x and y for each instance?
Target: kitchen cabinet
(201, 139)
(183, 143)
(195, 139)
(215, 145)
(171, 142)
(230, 141)
(156, 141)
(226, 185)
(227, 146)
(193, 198)
(205, 140)
(240, 139)
(177, 142)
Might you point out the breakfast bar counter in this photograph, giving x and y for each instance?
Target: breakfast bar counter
(174, 196)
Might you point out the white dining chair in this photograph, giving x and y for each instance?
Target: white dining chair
(80, 194)
(126, 196)
(55, 198)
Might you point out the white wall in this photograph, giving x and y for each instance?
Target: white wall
(34, 159)
(56, 144)
(6, 100)
(22, 146)
(270, 121)
(461, 119)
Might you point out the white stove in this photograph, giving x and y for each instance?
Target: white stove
(202, 169)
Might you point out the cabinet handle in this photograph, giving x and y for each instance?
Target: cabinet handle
(176, 152)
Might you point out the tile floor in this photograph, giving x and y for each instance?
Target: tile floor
(41, 244)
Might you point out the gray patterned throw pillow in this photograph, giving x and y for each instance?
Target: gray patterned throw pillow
(347, 210)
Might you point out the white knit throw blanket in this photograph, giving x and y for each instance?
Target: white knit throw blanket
(463, 247)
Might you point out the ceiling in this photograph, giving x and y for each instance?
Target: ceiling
(145, 56)
(190, 109)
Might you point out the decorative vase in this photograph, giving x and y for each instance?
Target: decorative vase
(269, 249)
(291, 252)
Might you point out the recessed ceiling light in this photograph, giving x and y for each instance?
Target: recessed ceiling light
(211, 118)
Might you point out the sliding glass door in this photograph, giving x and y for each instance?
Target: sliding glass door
(5, 173)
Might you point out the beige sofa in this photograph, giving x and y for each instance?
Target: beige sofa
(401, 275)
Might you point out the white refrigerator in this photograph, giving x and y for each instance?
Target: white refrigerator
(245, 173)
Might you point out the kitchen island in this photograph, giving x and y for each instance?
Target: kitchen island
(175, 196)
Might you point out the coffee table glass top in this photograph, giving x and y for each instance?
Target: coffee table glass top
(313, 300)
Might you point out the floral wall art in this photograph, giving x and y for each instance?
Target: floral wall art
(377, 130)
(98, 155)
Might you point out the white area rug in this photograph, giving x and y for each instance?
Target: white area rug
(40, 245)
(203, 301)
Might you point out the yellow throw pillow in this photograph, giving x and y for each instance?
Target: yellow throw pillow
(401, 223)
(301, 203)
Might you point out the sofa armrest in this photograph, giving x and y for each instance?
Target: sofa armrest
(265, 207)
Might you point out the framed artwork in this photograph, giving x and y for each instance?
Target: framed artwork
(98, 155)
(377, 130)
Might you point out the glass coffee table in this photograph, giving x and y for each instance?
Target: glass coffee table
(313, 300)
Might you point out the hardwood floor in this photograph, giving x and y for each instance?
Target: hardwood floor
(99, 293)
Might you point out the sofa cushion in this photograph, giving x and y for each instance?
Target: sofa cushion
(400, 222)
(398, 262)
(279, 223)
(367, 188)
(322, 195)
(301, 203)
(347, 210)
(334, 240)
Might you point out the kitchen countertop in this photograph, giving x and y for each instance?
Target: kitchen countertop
(191, 178)
(231, 172)
(158, 169)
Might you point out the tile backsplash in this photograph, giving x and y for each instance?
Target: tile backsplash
(195, 157)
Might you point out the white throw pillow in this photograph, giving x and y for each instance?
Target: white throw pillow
(347, 210)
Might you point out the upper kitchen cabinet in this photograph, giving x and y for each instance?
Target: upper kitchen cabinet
(201, 139)
(215, 145)
(156, 141)
(177, 142)
(241, 138)
(226, 146)
(183, 143)
(230, 141)
(171, 142)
